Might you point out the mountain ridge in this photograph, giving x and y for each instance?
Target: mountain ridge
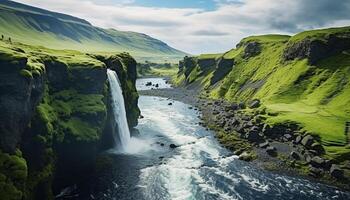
(36, 26)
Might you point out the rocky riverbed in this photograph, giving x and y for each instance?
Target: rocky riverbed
(241, 128)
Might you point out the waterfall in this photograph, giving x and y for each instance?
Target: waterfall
(121, 138)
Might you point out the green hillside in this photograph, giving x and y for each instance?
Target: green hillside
(40, 27)
(303, 79)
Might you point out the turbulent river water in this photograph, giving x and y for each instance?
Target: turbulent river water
(198, 169)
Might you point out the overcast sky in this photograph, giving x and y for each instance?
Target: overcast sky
(202, 26)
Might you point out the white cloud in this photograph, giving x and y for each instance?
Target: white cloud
(200, 31)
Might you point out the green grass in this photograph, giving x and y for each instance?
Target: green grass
(321, 34)
(317, 97)
(44, 28)
(266, 38)
(210, 56)
(159, 71)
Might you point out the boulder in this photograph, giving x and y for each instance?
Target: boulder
(245, 156)
(315, 172)
(173, 146)
(295, 155)
(169, 104)
(255, 103)
(307, 157)
(264, 144)
(234, 106)
(307, 141)
(297, 139)
(253, 136)
(318, 148)
(271, 150)
(317, 162)
(156, 85)
(254, 128)
(148, 84)
(287, 137)
(336, 172)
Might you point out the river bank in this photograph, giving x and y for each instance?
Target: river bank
(283, 150)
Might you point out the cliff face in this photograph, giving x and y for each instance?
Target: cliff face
(55, 114)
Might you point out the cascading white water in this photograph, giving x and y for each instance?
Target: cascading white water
(122, 138)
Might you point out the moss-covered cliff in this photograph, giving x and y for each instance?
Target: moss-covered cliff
(55, 115)
(301, 80)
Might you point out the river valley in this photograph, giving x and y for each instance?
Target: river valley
(197, 168)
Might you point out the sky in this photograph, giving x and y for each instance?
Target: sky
(205, 26)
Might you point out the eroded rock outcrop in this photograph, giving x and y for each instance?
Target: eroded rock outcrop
(316, 49)
(224, 66)
(55, 117)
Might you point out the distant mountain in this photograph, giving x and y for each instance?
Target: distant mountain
(35, 26)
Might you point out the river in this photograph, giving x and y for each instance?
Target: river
(199, 168)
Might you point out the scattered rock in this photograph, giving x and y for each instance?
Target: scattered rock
(251, 49)
(336, 172)
(287, 137)
(271, 150)
(308, 157)
(149, 84)
(255, 103)
(264, 145)
(173, 146)
(297, 139)
(315, 172)
(318, 148)
(317, 162)
(245, 156)
(253, 136)
(307, 141)
(295, 155)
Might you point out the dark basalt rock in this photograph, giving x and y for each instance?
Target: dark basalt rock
(336, 172)
(264, 145)
(317, 161)
(295, 155)
(252, 49)
(254, 103)
(307, 141)
(173, 146)
(315, 172)
(206, 64)
(148, 84)
(187, 65)
(224, 66)
(18, 98)
(272, 151)
(315, 50)
(297, 139)
(318, 148)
